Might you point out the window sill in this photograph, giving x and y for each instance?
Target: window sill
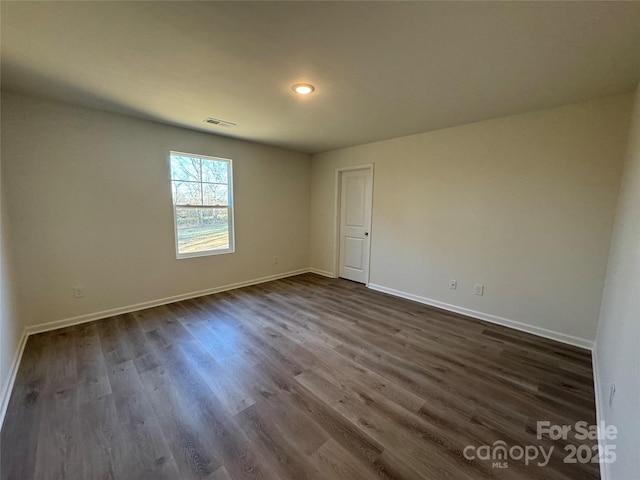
(205, 253)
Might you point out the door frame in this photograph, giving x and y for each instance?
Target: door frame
(336, 217)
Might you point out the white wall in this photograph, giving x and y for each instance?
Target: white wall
(522, 204)
(618, 340)
(90, 204)
(11, 328)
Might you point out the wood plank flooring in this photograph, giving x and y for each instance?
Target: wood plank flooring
(301, 378)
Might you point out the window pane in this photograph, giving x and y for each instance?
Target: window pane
(215, 194)
(185, 168)
(186, 193)
(215, 171)
(202, 229)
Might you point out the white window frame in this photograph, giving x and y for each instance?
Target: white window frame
(229, 207)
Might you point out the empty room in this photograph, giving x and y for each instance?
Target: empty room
(320, 240)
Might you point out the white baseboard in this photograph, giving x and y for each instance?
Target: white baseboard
(67, 322)
(542, 332)
(44, 327)
(604, 467)
(7, 388)
(322, 272)
(90, 317)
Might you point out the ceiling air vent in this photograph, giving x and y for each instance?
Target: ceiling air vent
(218, 122)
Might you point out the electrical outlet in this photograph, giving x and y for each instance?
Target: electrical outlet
(479, 289)
(78, 292)
(275, 260)
(453, 284)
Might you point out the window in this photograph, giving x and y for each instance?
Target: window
(202, 190)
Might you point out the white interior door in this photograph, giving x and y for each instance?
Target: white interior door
(355, 223)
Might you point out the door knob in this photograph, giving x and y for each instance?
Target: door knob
(366, 234)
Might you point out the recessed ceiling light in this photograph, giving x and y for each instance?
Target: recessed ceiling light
(303, 88)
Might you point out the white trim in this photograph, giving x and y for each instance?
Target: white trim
(44, 327)
(67, 322)
(204, 253)
(541, 332)
(322, 272)
(7, 388)
(604, 467)
(336, 217)
(90, 317)
(230, 207)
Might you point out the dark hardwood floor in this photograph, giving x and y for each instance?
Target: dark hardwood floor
(306, 377)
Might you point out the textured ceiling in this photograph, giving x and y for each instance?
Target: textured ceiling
(381, 69)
